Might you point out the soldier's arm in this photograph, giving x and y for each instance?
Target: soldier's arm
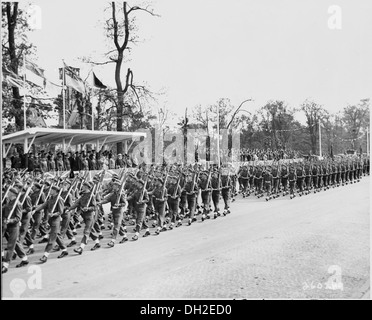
(106, 199)
(123, 199)
(92, 204)
(76, 204)
(27, 205)
(41, 206)
(59, 207)
(69, 201)
(17, 215)
(145, 197)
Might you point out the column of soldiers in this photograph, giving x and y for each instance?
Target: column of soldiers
(52, 208)
(299, 178)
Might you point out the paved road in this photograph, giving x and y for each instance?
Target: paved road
(278, 249)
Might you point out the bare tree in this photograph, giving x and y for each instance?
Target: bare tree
(121, 30)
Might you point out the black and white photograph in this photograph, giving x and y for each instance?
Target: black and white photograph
(201, 152)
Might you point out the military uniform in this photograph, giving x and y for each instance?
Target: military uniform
(160, 198)
(140, 199)
(268, 181)
(191, 189)
(10, 226)
(205, 193)
(174, 193)
(300, 178)
(276, 177)
(216, 191)
(284, 177)
(243, 179)
(118, 203)
(292, 178)
(258, 180)
(25, 222)
(86, 203)
(65, 218)
(53, 203)
(226, 191)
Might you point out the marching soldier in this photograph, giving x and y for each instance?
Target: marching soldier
(160, 198)
(307, 173)
(25, 222)
(37, 198)
(174, 193)
(140, 198)
(284, 179)
(86, 203)
(226, 191)
(216, 191)
(54, 207)
(258, 179)
(243, 179)
(118, 203)
(191, 189)
(11, 216)
(204, 185)
(300, 179)
(275, 173)
(66, 216)
(292, 178)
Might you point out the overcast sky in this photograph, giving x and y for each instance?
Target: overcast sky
(203, 50)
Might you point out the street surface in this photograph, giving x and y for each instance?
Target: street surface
(278, 249)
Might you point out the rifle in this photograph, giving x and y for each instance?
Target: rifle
(22, 173)
(178, 182)
(121, 190)
(14, 206)
(39, 197)
(164, 185)
(91, 195)
(100, 181)
(143, 190)
(219, 179)
(49, 191)
(26, 194)
(196, 178)
(10, 186)
(7, 191)
(55, 204)
(84, 179)
(208, 186)
(69, 190)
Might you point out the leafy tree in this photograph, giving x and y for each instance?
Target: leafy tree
(314, 112)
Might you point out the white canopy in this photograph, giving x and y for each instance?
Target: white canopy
(66, 137)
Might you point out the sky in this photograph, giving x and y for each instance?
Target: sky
(199, 51)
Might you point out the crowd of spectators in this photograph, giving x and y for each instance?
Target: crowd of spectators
(246, 154)
(93, 160)
(75, 161)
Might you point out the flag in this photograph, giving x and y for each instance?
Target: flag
(53, 89)
(35, 74)
(73, 81)
(35, 118)
(12, 79)
(97, 83)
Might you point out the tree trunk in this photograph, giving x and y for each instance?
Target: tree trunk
(12, 22)
(120, 95)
